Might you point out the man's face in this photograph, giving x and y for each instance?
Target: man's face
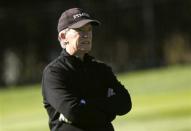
(79, 40)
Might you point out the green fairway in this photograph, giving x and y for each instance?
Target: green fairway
(161, 102)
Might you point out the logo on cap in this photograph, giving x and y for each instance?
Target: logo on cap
(80, 15)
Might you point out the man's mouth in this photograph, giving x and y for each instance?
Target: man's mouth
(85, 42)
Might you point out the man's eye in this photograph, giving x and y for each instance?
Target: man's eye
(79, 30)
(83, 30)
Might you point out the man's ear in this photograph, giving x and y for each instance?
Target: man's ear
(61, 36)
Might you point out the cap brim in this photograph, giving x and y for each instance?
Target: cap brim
(84, 22)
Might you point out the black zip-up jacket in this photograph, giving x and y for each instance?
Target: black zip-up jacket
(79, 90)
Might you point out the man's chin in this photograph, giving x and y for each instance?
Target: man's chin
(84, 50)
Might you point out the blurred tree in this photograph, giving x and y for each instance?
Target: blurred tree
(134, 34)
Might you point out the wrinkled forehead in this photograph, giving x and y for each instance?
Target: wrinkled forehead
(86, 28)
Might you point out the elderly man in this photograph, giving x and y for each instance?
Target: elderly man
(80, 93)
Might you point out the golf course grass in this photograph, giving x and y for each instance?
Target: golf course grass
(161, 102)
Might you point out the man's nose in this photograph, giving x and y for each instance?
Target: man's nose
(85, 35)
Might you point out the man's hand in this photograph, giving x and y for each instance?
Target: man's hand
(64, 119)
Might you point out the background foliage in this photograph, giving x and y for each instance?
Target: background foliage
(135, 34)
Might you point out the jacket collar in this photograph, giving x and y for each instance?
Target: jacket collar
(87, 57)
(65, 53)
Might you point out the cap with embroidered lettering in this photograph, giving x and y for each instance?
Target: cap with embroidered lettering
(75, 18)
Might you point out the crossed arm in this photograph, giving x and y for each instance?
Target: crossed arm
(84, 113)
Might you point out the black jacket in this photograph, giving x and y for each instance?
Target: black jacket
(68, 80)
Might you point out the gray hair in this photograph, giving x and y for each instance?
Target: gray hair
(63, 43)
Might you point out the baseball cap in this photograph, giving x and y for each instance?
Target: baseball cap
(75, 18)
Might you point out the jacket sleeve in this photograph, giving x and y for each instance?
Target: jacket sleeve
(65, 101)
(120, 102)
